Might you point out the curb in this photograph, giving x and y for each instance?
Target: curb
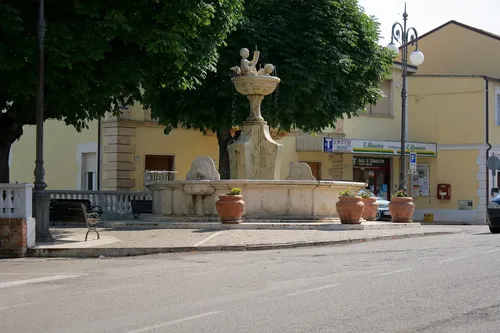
(129, 252)
(367, 225)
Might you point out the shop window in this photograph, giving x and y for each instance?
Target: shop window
(383, 108)
(420, 181)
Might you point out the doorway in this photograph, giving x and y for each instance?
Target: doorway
(159, 163)
(315, 169)
(374, 171)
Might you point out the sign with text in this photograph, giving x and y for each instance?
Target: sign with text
(328, 145)
(342, 145)
(413, 161)
(358, 161)
(391, 147)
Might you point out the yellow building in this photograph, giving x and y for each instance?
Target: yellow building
(453, 125)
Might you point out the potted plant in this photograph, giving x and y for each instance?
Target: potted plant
(230, 206)
(401, 207)
(370, 206)
(349, 207)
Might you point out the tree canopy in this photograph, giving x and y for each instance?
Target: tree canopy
(325, 52)
(100, 54)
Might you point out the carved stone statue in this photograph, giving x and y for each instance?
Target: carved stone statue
(203, 168)
(267, 70)
(300, 171)
(248, 67)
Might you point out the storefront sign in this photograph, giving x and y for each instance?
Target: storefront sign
(358, 161)
(342, 145)
(328, 145)
(391, 147)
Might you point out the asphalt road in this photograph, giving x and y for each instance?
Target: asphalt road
(431, 284)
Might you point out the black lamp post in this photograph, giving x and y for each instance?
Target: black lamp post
(41, 200)
(406, 37)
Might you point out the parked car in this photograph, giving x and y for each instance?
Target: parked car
(383, 206)
(493, 215)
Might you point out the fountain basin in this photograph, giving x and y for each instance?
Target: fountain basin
(255, 85)
(265, 199)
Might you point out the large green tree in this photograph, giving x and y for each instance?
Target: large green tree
(100, 53)
(325, 52)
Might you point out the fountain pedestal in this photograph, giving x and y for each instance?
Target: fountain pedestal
(255, 155)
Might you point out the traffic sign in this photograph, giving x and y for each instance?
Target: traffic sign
(493, 163)
(413, 161)
(328, 145)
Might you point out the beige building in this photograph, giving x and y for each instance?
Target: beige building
(453, 119)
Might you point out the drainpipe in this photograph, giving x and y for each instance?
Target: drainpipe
(99, 153)
(487, 133)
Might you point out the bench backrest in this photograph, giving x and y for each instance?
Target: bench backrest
(144, 206)
(68, 210)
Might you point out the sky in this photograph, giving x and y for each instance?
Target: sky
(425, 15)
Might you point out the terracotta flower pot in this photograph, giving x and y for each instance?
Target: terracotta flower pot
(370, 209)
(230, 208)
(401, 209)
(350, 209)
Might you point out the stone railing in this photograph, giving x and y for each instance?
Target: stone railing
(159, 177)
(115, 204)
(16, 200)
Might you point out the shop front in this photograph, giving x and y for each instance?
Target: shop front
(375, 172)
(377, 164)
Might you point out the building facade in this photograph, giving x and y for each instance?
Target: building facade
(453, 125)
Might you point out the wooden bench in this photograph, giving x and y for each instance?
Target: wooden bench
(70, 210)
(92, 220)
(141, 206)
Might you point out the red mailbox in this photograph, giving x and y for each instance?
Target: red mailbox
(444, 192)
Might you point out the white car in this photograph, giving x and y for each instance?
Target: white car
(383, 206)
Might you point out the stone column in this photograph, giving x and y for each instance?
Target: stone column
(118, 154)
(255, 155)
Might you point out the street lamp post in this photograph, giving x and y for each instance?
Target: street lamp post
(406, 37)
(41, 201)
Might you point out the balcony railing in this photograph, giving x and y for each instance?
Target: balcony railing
(159, 177)
(115, 204)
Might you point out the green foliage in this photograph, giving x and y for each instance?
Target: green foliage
(235, 191)
(365, 195)
(400, 193)
(325, 53)
(99, 54)
(347, 193)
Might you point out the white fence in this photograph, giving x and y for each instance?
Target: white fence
(115, 204)
(16, 200)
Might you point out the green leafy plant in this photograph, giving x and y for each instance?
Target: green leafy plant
(128, 52)
(366, 195)
(326, 54)
(400, 193)
(346, 193)
(235, 191)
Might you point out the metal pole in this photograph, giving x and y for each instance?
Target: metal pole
(40, 199)
(404, 94)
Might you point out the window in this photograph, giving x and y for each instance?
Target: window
(89, 171)
(383, 108)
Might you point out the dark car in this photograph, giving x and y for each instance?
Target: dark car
(493, 215)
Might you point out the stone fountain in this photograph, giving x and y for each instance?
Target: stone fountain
(255, 160)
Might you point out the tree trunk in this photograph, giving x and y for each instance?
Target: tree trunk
(10, 131)
(223, 138)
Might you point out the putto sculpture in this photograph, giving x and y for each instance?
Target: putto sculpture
(249, 67)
